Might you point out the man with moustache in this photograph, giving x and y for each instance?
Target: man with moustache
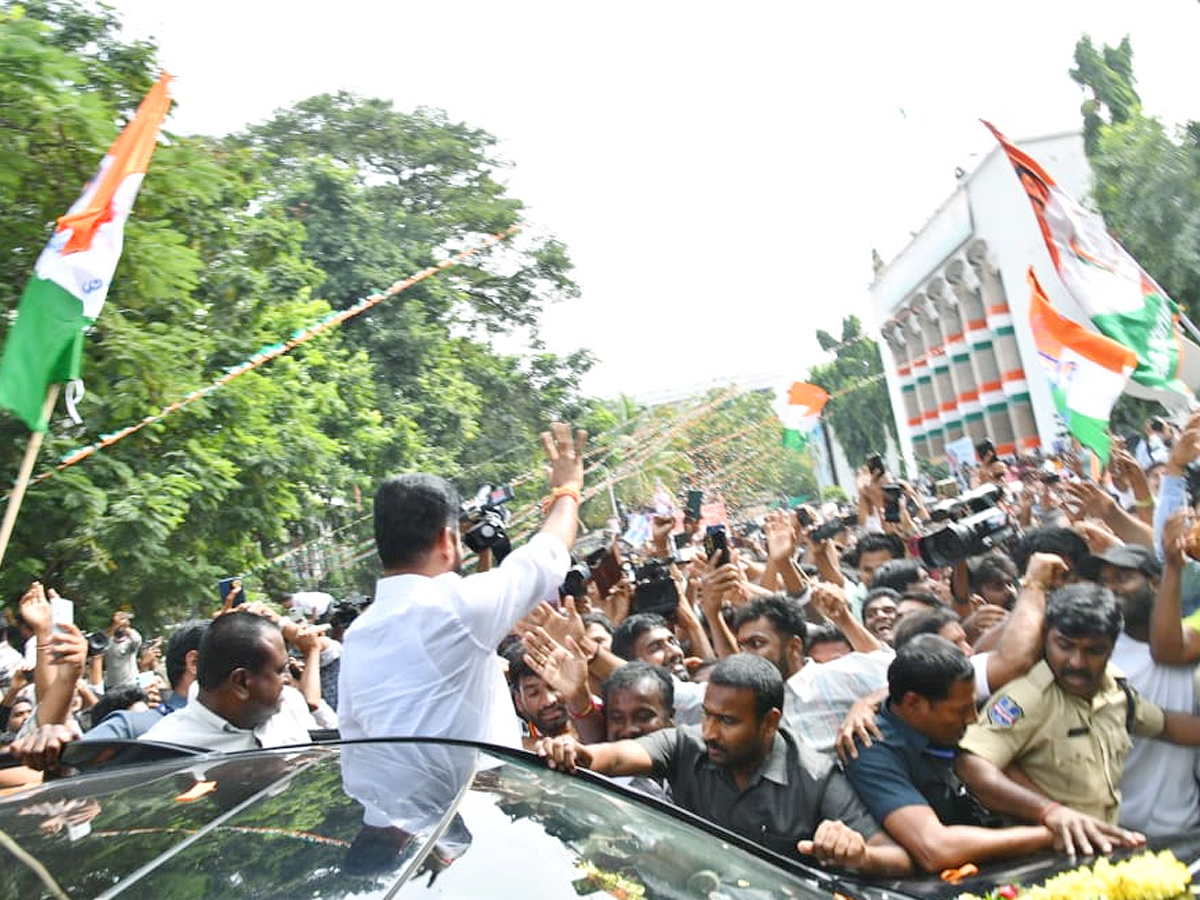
(639, 698)
(1065, 726)
(1159, 793)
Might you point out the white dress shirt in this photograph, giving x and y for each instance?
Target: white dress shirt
(195, 725)
(421, 661)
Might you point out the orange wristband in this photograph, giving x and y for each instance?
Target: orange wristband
(560, 492)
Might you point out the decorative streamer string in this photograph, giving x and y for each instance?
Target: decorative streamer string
(266, 354)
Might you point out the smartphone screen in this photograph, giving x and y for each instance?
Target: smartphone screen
(716, 544)
(225, 585)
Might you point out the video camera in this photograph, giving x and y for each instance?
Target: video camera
(974, 524)
(833, 527)
(960, 507)
(576, 582)
(341, 613)
(654, 588)
(484, 519)
(97, 642)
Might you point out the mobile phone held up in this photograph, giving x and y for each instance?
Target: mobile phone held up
(892, 495)
(231, 584)
(716, 544)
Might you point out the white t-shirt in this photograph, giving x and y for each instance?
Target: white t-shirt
(1159, 791)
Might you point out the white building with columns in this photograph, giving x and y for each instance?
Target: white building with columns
(953, 308)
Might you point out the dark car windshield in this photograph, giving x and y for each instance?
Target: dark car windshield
(441, 821)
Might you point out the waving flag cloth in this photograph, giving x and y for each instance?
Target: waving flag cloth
(73, 272)
(1087, 371)
(801, 413)
(1122, 301)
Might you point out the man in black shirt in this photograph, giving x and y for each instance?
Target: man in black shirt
(741, 771)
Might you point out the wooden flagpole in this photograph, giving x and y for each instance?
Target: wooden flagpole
(22, 482)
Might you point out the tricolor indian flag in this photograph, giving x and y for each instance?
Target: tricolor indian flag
(72, 274)
(1087, 371)
(801, 413)
(1122, 301)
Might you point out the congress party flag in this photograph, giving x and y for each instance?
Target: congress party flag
(73, 272)
(801, 412)
(1087, 371)
(1122, 301)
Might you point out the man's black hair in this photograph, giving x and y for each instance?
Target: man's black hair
(1083, 609)
(824, 633)
(750, 672)
(927, 665)
(518, 668)
(927, 621)
(875, 541)
(874, 594)
(1051, 539)
(924, 597)
(236, 640)
(118, 698)
(599, 618)
(786, 616)
(187, 637)
(627, 633)
(898, 574)
(411, 512)
(632, 674)
(995, 568)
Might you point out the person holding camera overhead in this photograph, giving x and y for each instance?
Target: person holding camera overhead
(421, 661)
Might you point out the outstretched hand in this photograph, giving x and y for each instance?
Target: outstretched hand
(565, 456)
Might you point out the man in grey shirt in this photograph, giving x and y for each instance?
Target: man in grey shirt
(741, 771)
(121, 654)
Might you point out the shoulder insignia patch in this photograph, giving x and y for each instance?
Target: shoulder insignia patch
(1005, 712)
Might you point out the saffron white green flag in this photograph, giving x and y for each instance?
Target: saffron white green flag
(1122, 301)
(800, 412)
(71, 278)
(1087, 371)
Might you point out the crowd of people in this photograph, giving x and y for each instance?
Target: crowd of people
(989, 665)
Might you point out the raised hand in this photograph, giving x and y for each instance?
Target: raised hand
(563, 667)
(565, 456)
(35, 610)
(781, 539)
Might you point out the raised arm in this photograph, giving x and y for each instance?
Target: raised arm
(1020, 644)
(830, 600)
(566, 481)
(1171, 641)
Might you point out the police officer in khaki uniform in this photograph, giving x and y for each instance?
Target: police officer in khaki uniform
(1066, 724)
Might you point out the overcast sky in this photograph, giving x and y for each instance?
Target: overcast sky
(719, 172)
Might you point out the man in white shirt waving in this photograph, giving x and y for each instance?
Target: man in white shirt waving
(421, 661)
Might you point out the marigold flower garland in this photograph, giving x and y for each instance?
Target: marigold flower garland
(1148, 876)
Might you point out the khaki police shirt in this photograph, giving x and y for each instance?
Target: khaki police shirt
(1072, 749)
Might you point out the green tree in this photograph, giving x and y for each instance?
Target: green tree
(859, 409)
(1146, 179)
(1106, 75)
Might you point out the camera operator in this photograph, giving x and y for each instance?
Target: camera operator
(421, 660)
